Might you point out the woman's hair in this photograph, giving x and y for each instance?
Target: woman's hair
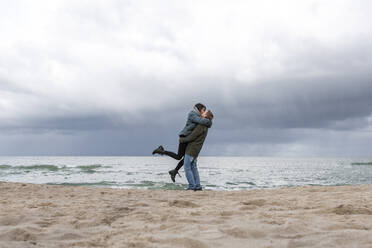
(209, 115)
(200, 106)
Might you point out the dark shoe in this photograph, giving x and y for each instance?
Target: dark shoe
(159, 150)
(173, 174)
(198, 189)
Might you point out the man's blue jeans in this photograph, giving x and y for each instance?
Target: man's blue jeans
(192, 173)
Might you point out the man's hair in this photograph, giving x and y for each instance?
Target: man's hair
(200, 106)
(209, 115)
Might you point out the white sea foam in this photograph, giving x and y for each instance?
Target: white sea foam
(226, 173)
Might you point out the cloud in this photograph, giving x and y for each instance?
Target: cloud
(88, 74)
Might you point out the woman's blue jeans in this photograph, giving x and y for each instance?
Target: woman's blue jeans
(192, 173)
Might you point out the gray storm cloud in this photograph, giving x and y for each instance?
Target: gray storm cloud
(117, 78)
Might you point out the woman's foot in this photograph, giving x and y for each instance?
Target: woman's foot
(173, 174)
(159, 150)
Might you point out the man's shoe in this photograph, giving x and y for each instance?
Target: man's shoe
(173, 174)
(198, 189)
(159, 150)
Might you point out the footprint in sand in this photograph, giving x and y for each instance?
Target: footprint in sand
(10, 220)
(45, 222)
(183, 204)
(228, 213)
(179, 242)
(69, 236)
(251, 205)
(258, 203)
(243, 233)
(20, 234)
(351, 210)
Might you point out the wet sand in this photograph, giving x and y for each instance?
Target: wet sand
(64, 216)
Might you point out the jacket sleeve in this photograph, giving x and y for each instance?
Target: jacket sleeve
(200, 120)
(192, 136)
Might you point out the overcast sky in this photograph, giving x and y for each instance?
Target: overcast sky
(283, 78)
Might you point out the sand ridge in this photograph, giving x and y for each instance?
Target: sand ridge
(64, 216)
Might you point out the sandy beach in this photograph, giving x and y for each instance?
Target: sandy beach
(64, 216)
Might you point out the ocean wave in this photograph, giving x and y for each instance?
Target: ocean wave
(101, 183)
(154, 185)
(4, 166)
(238, 183)
(170, 186)
(137, 185)
(53, 168)
(91, 168)
(362, 163)
(231, 174)
(47, 167)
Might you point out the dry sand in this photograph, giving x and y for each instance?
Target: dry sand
(61, 216)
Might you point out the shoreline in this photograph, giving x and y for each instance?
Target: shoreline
(39, 215)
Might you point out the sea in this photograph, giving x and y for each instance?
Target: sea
(216, 173)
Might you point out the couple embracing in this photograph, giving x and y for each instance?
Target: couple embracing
(191, 140)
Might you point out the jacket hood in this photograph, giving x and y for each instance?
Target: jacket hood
(196, 110)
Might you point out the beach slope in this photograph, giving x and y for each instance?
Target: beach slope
(63, 216)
